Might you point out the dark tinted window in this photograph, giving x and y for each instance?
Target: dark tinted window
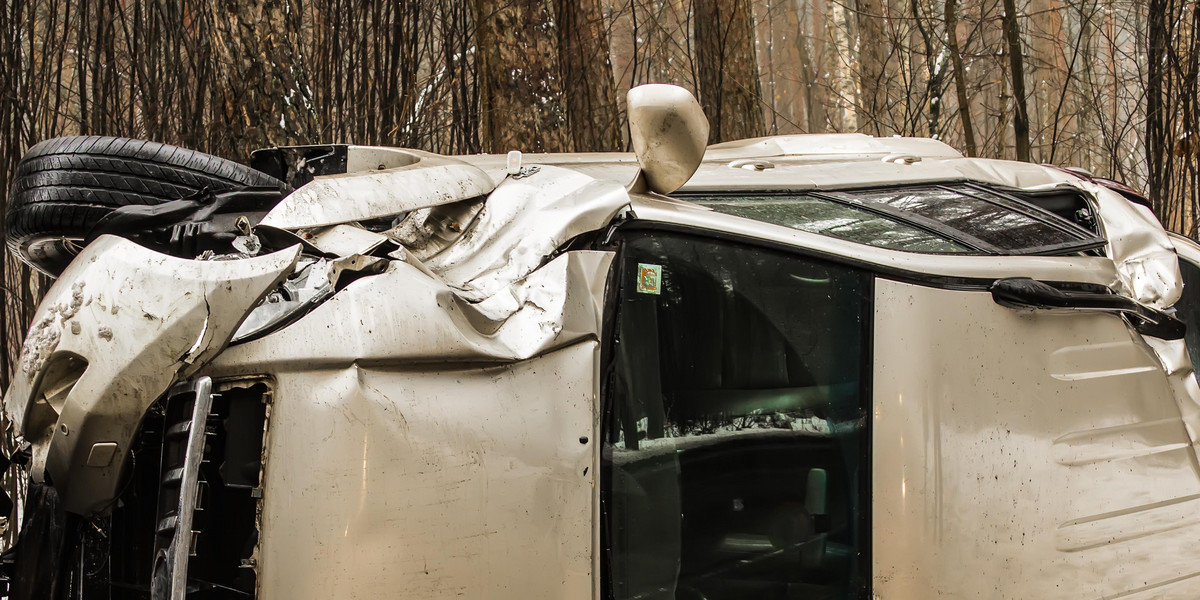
(735, 435)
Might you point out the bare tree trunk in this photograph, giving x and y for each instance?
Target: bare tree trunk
(872, 62)
(1012, 32)
(457, 42)
(1158, 141)
(727, 69)
(587, 75)
(960, 79)
(806, 108)
(935, 73)
(261, 102)
(521, 94)
(1048, 49)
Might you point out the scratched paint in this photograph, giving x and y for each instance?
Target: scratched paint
(433, 422)
(132, 355)
(1068, 473)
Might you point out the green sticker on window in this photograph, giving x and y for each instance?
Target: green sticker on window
(649, 279)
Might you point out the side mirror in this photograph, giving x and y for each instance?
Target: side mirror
(669, 133)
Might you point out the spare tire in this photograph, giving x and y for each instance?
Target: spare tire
(65, 185)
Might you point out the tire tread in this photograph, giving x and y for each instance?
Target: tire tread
(62, 186)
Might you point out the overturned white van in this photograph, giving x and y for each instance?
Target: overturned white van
(818, 367)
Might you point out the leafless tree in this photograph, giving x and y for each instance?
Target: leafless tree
(1111, 86)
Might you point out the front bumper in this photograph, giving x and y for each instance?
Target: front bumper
(119, 326)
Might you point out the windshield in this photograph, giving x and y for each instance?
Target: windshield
(817, 215)
(932, 219)
(735, 443)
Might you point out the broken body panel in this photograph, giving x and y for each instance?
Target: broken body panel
(437, 424)
(119, 326)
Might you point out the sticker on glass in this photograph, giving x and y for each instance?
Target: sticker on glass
(649, 279)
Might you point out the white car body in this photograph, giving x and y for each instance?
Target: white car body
(437, 427)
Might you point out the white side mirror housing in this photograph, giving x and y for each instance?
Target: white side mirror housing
(669, 133)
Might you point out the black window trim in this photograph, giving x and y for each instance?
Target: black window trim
(1010, 198)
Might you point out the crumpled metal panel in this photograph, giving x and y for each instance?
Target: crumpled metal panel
(346, 240)
(441, 482)
(335, 199)
(1027, 454)
(1142, 250)
(1176, 361)
(523, 222)
(404, 316)
(138, 319)
(1138, 245)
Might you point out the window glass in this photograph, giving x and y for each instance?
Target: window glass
(932, 218)
(975, 212)
(1188, 310)
(735, 456)
(824, 217)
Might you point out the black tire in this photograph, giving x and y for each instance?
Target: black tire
(65, 185)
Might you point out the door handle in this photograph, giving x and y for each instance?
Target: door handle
(1023, 293)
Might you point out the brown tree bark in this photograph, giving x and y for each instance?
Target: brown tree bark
(796, 76)
(590, 91)
(727, 69)
(960, 79)
(521, 94)
(817, 94)
(260, 102)
(872, 62)
(1012, 33)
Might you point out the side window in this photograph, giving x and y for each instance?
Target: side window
(1188, 309)
(735, 457)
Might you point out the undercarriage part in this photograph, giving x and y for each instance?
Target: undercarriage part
(39, 555)
(64, 185)
(179, 491)
(297, 165)
(189, 226)
(206, 524)
(185, 525)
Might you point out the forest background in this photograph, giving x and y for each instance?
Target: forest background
(1106, 85)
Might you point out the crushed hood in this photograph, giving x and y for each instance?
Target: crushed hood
(421, 180)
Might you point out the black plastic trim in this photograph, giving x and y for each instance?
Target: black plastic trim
(1031, 294)
(297, 165)
(1063, 249)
